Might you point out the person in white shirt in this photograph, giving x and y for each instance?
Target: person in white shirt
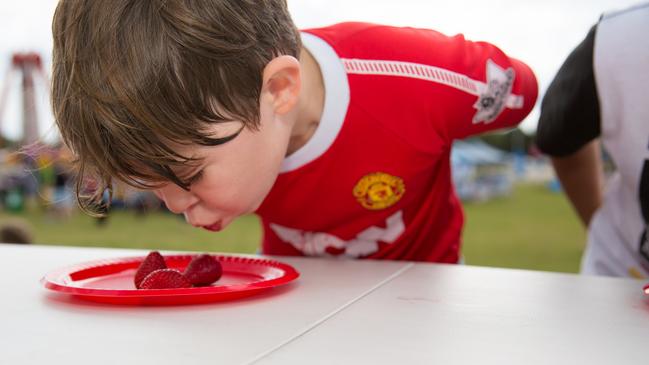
(599, 99)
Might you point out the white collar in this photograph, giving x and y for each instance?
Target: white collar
(335, 104)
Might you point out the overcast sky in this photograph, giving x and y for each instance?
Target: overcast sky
(541, 33)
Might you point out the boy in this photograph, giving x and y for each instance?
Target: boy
(338, 138)
(598, 96)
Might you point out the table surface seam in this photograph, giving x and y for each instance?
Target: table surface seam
(330, 315)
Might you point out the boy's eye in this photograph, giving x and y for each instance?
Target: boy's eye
(195, 178)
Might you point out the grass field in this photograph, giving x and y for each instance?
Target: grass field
(531, 229)
(534, 228)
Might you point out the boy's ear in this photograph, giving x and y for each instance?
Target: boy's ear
(282, 81)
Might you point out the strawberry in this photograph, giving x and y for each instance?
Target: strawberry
(165, 279)
(203, 270)
(154, 261)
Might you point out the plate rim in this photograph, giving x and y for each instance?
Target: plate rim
(52, 279)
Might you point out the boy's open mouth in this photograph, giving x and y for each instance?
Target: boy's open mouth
(214, 227)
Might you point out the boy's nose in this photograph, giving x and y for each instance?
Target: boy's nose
(176, 199)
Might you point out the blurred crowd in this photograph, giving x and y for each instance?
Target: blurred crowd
(40, 178)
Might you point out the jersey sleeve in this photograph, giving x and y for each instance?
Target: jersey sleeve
(438, 87)
(570, 115)
(462, 88)
(496, 91)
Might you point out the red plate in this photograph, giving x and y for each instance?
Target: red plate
(111, 280)
(646, 289)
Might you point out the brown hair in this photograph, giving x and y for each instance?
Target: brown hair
(131, 76)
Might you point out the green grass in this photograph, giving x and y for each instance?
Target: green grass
(532, 229)
(158, 230)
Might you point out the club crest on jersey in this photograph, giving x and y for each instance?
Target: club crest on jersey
(493, 98)
(379, 190)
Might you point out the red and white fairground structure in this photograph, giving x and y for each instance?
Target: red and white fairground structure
(29, 67)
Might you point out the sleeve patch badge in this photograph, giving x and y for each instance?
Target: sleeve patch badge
(493, 98)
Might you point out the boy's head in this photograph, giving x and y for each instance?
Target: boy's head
(137, 83)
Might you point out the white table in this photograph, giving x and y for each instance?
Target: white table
(338, 312)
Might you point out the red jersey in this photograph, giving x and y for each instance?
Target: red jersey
(374, 181)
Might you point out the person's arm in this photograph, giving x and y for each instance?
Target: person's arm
(582, 179)
(452, 87)
(506, 93)
(569, 128)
